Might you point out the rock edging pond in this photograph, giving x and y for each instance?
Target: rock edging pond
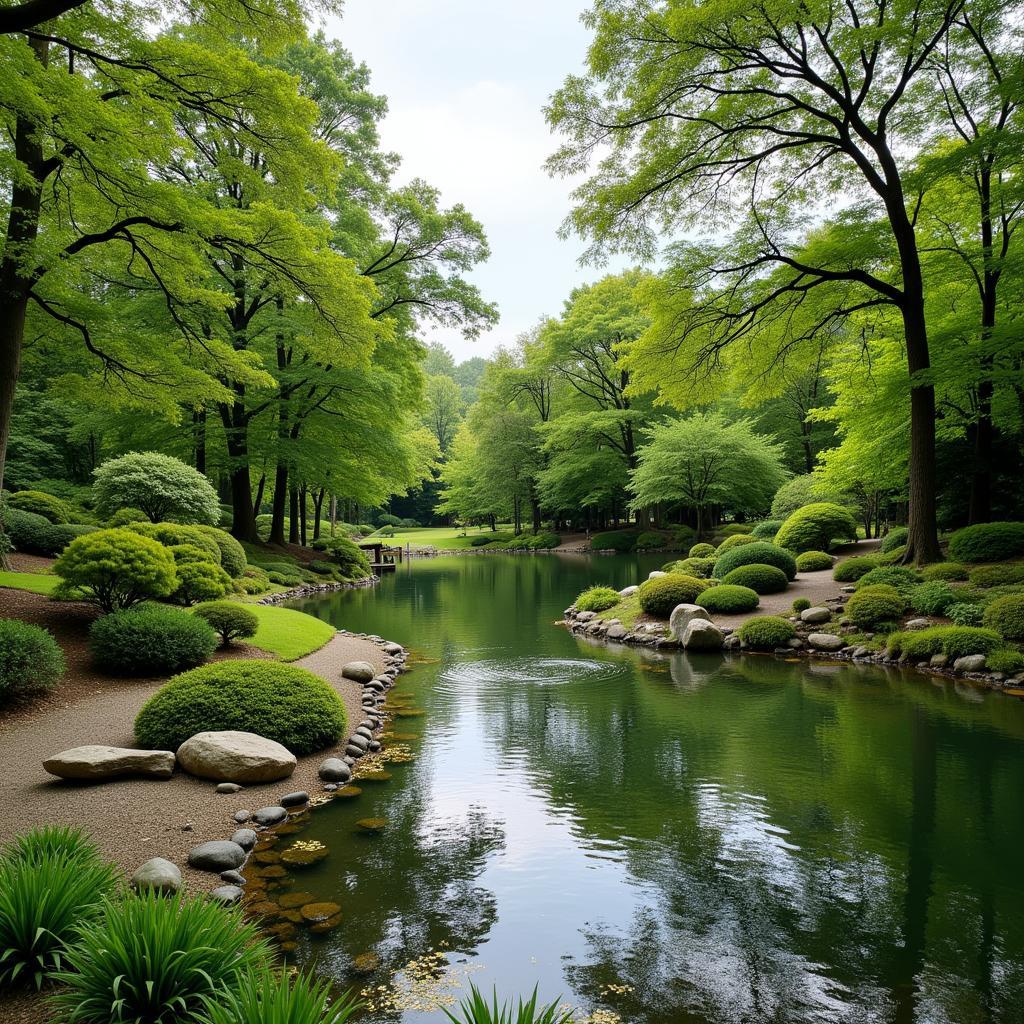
(311, 589)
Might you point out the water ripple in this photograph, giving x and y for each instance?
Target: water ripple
(528, 672)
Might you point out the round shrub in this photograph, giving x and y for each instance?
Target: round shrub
(766, 633)
(651, 541)
(229, 620)
(1006, 616)
(800, 604)
(46, 505)
(932, 598)
(683, 536)
(280, 702)
(987, 542)
(701, 567)
(1006, 660)
(124, 516)
(997, 575)
(798, 492)
(613, 540)
(30, 660)
(734, 540)
(597, 599)
(200, 581)
(174, 535)
(813, 561)
(729, 600)
(894, 556)
(701, 550)
(964, 614)
(767, 529)
(871, 606)
(944, 571)
(349, 557)
(904, 580)
(659, 596)
(815, 526)
(151, 640)
(953, 641)
(734, 529)
(895, 538)
(853, 569)
(758, 553)
(164, 487)
(762, 579)
(116, 569)
(232, 554)
(34, 534)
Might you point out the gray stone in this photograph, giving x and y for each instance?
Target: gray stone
(356, 740)
(702, 635)
(616, 632)
(358, 671)
(233, 877)
(353, 751)
(681, 615)
(586, 616)
(815, 615)
(273, 815)
(826, 642)
(628, 591)
(938, 660)
(365, 731)
(393, 648)
(297, 799)
(733, 642)
(861, 652)
(218, 855)
(158, 874)
(234, 756)
(334, 770)
(656, 574)
(242, 816)
(245, 838)
(228, 787)
(796, 644)
(330, 787)
(95, 761)
(847, 590)
(917, 624)
(970, 663)
(226, 894)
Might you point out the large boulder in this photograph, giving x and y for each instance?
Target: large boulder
(826, 642)
(233, 756)
(358, 671)
(217, 855)
(334, 770)
(702, 635)
(970, 663)
(96, 762)
(157, 874)
(682, 614)
(815, 615)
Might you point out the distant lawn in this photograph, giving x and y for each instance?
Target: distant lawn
(441, 537)
(36, 582)
(287, 633)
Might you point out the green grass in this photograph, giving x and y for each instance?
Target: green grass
(442, 537)
(36, 582)
(627, 611)
(287, 633)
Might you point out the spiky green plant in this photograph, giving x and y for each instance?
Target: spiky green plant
(267, 997)
(151, 959)
(50, 841)
(475, 1009)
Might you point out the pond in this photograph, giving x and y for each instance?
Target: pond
(661, 839)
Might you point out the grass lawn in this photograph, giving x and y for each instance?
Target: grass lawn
(442, 537)
(34, 581)
(287, 633)
(627, 611)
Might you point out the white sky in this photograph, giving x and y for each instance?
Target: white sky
(466, 81)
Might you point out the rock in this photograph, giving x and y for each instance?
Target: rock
(938, 660)
(701, 635)
(356, 740)
(241, 816)
(861, 652)
(158, 874)
(393, 648)
(374, 746)
(95, 761)
(917, 624)
(733, 642)
(358, 671)
(218, 855)
(353, 751)
(826, 642)
(273, 815)
(228, 787)
(628, 591)
(796, 644)
(970, 663)
(815, 615)
(586, 616)
(682, 614)
(298, 799)
(232, 877)
(616, 632)
(330, 787)
(317, 912)
(226, 894)
(656, 574)
(365, 963)
(847, 590)
(366, 732)
(245, 838)
(334, 770)
(233, 756)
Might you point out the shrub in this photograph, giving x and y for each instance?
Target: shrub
(35, 535)
(46, 505)
(871, 606)
(200, 581)
(735, 540)
(489, 538)
(813, 561)
(815, 526)
(702, 551)
(798, 492)
(597, 599)
(157, 959)
(702, 567)
(151, 640)
(389, 520)
(987, 542)
(384, 531)
(800, 604)
(349, 557)
(766, 633)
(758, 553)
(904, 580)
(943, 571)
(613, 540)
(650, 541)
(160, 485)
(763, 579)
(30, 660)
(1006, 616)
(953, 641)
(892, 557)
(659, 596)
(547, 540)
(853, 569)
(964, 614)
(997, 575)
(932, 598)
(1006, 660)
(229, 620)
(683, 536)
(232, 554)
(767, 529)
(124, 516)
(46, 895)
(173, 535)
(274, 997)
(895, 538)
(280, 702)
(729, 599)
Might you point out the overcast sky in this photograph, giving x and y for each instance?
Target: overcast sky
(465, 82)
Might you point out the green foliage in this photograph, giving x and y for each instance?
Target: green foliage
(734, 540)
(953, 641)
(232, 554)
(762, 579)
(475, 1009)
(614, 540)
(702, 567)
(815, 526)
(852, 569)
(489, 538)
(1006, 616)
(903, 579)
(875, 605)
(943, 571)
(796, 493)
(1006, 660)
(659, 596)
(892, 557)
(702, 550)
(33, 534)
(50, 842)
(597, 599)
(734, 530)
(761, 553)
(895, 538)
(200, 581)
(800, 604)
(963, 614)
(987, 542)
(157, 959)
(163, 487)
(125, 516)
(813, 561)
(173, 535)
(30, 660)
(45, 505)
(150, 640)
(766, 633)
(268, 996)
(766, 529)
(997, 575)
(932, 598)
(729, 600)
(352, 562)
(298, 709)
(648, 540)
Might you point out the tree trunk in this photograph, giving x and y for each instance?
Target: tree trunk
(980, 505)
(334, 513)
(277, 511)
(318, 507)
(258, 500)
(293, 514)
(236, 436)
(199, 433)
(535, 506)
(303, 491)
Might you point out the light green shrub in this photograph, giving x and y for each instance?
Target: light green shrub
(659, 596)
(762, 579)
(597, 599)
(758, 553)
(871, 606)
(766, 633)
(1006, 616)
(813, 561)
(815, 526)
(729, 600)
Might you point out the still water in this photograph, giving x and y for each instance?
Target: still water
(668, 838)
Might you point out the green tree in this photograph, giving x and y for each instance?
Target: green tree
(160, 485)
(443, 410)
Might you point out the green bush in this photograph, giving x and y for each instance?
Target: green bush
(853, 569)
(200, 581)
(174, 535)
(229, 620)
(151, 640)
(46, 505)
(30, 660)
(232, 554)
(871, 606)
(614, 540)
(702, 551)
(800, 604)
(733, 529)
(932, 598)
(157, 959)
(489, 538)
(351, 560)
(814, 527)
(763, 579)
(683, 536)
(1005, 660)
(702, 567)
(597, 599)
(162, 486)
(659, 596)
(1006, 616)
(767, 529)
(766, 633)
(894, 556)
(895, 538)
(322, 568)
(997, 575)
(953, 641)
(758, 553)
(987, 542)
(734, 540)
(35, 535)
(649, 540)
(389, 520)
(280, 997)
(384, 531)
(813, 561)
(964, 614)
(944, 571)
(546, 540)
(124, 516)
(281, 702)
(904, 580)
(729, 600)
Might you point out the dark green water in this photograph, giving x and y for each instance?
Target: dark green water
(733, 840)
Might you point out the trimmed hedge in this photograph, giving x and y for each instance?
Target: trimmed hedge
(735, 540)
(813, 561)
(35, 535)
(729, 600)
(953, 641)
(943, 571)
(614, 540)
(1006, 616)
(702, 567)
(702, 550)
(762, 579)
(815, 526)
(987, 542)
(853, 569)
(758, 553)
(232, 554)
(50, 508)
(871, 606)
(30, 660)
(177, 534)
(597, 599)
(766, 633)
(659, 596)
(152, 640)
(281, 702)
(200, 581)
(904, 580)
(895, 538)
(997, 575)
(767, 529)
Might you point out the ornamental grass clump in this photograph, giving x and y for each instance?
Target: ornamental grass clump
(229, 620)
(597, 599)
(874, 606)
(1006, 616)
(475, 1009)
(815, 526)
(659, 596)
(30, 660)
(762, 579)
(766, 633)
(150, 640)
(729, 600)
(987, 542)
(758, 553)
(268, 996)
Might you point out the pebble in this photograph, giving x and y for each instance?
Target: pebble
(269, 815)
(233, 877)
(297, 799)
(218, 855)
(334, 770)
(226, 894)
(242, 816)
(228, 787)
